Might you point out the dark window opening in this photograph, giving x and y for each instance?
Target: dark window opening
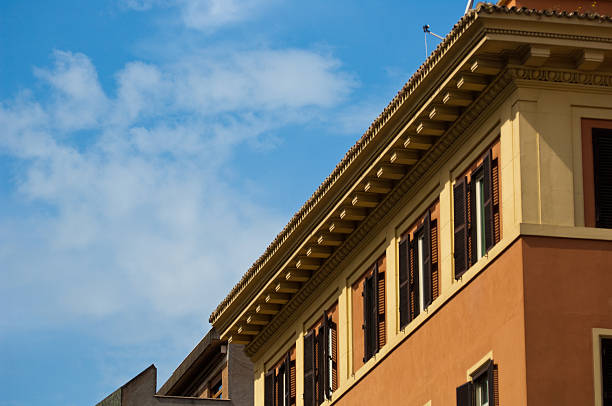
(602, 171)
(606, 370)
(320, 362)
(374, 334)
(216, 390)
(482, 390)
(476, 214)
(418, 277)
(279, 384)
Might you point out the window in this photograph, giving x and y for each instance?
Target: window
(481, 390)
(373, 313)
(477, 222)
(597, 172)
(321, 361)
(418, 262)
(606, 370)
(280, 382)
(216, 390)
(602, 169)
(368, 313)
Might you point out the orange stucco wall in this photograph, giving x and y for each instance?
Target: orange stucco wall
(568, 292)
(487, 315)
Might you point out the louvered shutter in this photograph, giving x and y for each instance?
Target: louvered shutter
(280, 385)
(366, 312)
(426, 260)
(309, 368)
(404, 307)
(381, 331)
(435, 277)
(460, 226)
(602, 161)
(292, 383)
(287, 383)
(488, 202)
(320, 372)
(413, 275)
(491, 374)
(472, 219)
(369, 319)
(269, 388)
(326, 356)
(465, 395)
(333, 329)
(496, 198)
(414, 286)
(606, 370)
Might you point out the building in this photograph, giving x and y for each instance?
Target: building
(461, 251)
(214, 373)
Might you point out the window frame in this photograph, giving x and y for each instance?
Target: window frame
(484, 369)
(598, 335)
(588, 171)
(485, 169)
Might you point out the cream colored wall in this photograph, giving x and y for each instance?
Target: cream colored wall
(541, 186)
(548, 123)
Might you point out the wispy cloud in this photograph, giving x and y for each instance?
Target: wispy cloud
(131, 218)
(206, 15)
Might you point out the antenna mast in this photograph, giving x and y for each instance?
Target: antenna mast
(470, 3)
(427, 31)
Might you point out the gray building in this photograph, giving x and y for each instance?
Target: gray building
(214, 373)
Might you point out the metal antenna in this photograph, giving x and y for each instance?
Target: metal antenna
(427, 31)
(470, 3)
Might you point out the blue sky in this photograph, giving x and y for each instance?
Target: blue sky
(151, 149)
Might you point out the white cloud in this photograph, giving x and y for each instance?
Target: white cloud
(127, 217)
(206, 15)
(79, 99)
(212, 14)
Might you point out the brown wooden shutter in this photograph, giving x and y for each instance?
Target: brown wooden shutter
(320, 371)
(496, 200)
(472, 218)
(427, 260)
(491, 383)
(287, 372)
(309, 368)
(413, 278)
(414, 285)
(602, 162)
(404, 306)
(326, 356)
(366, 326)
(465, 394)
(488, 202)
(280, 392)
(460, 226)
(606, 370)
(494, 384)
(269, 388)
(292, 382)
(435, 282)
(381, 330)
(333, 329)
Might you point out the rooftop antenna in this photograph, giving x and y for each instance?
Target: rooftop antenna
(427, 31)
(470, 3)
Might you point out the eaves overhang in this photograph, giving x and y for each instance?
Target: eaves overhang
(487, 49)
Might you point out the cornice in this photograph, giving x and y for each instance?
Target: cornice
(413, 96)
(486, 101)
